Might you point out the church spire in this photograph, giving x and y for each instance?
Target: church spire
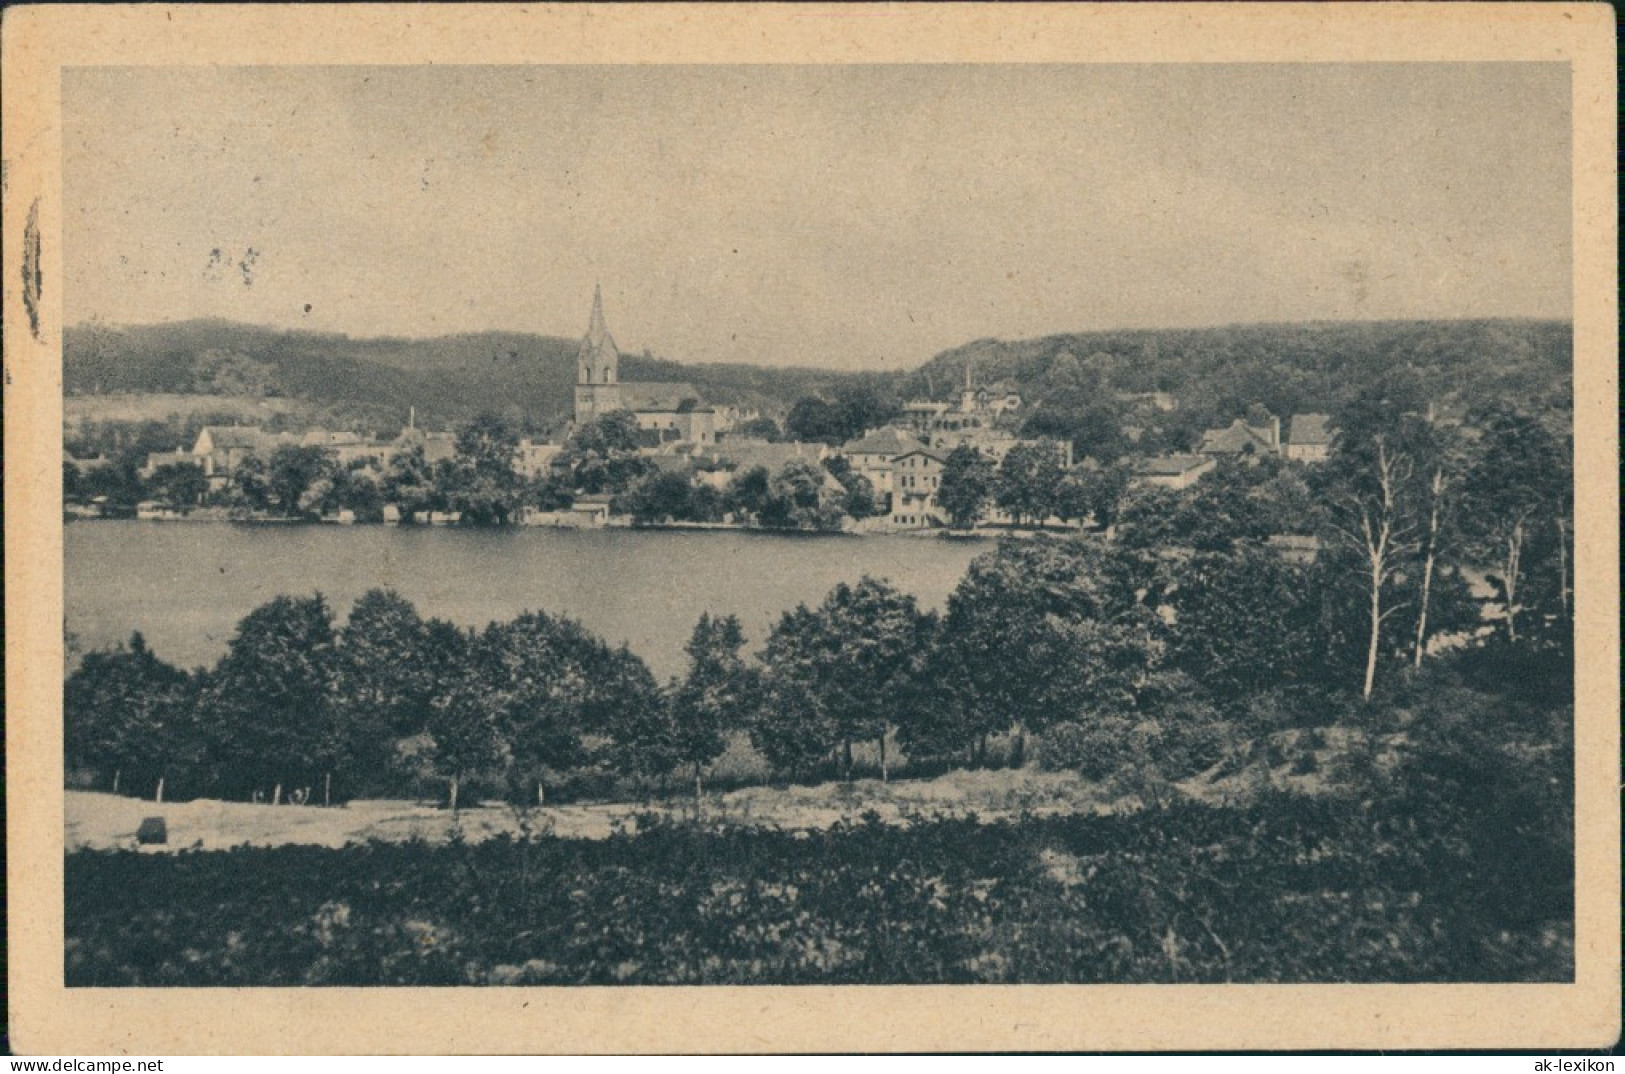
(596, 328)
(596, 391)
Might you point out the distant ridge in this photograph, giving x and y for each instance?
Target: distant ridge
(448, 378)
(1214, 372)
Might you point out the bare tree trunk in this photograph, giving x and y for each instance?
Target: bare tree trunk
(1437, 488)
(1376, 634)
(452, 795)
(276, 795)
(1381, 541)
(846, 760)
(885, 775)
(116, 773)
(1563, 565)
(159, 795)
(541, 792)
(1422, 614)
(1509, 580)
(699, 791)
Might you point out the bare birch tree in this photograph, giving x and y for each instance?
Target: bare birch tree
(1371, 518)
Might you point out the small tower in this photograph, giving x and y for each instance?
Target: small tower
(967, 397)
(597, 389)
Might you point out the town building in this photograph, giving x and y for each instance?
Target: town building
(1309, 438)
(1172, 471)
(157, 459)
(995, 444)
(533, 459)
(916, 476)
(977, 408)
(435, 445)
(220, 449)
(672, 410)
(871, 456)
(1241, 439)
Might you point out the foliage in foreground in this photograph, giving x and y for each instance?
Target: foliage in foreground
(1420, 883)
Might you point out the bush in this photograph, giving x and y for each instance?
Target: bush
(1287, 889)
(1095, 749)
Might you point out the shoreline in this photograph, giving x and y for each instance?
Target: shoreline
(980, 534)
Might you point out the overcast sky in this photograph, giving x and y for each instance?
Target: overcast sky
(843, 216)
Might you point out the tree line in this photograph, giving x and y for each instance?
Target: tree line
(482, 484)
(1163, 647)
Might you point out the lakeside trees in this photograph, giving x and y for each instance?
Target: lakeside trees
(128, 713)
(838, 674)
(854, 408)
(966, 486)
(796, 497)
(716, 696)
(1191, 619)
(1028, 484)
(267, 711)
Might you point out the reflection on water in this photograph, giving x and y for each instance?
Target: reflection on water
(186, 585)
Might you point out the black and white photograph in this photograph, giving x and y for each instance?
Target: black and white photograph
(786, 524)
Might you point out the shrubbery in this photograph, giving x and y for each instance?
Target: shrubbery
(1285, 889)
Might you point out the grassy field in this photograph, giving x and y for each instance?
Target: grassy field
(98, 821)
(78, 410)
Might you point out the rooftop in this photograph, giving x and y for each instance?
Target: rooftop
(1171, 465)
(887, 441)
(1236, 440)
(662, 395)
(1310, 429)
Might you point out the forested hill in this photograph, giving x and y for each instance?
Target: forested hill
(1216, 373)
(447, 379)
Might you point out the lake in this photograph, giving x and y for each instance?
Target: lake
(185, 585)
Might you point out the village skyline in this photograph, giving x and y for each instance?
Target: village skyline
(816, 217)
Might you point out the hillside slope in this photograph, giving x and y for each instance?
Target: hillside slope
(1216, 373)
(447, 379)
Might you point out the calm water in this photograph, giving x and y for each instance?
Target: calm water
(186, 585)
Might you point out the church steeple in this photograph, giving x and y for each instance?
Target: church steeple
(596, 328)
(596, 366)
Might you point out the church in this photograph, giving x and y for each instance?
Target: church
(667, 411)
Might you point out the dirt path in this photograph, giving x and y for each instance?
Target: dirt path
(103, 821)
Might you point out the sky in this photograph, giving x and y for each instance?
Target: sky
(848, 217)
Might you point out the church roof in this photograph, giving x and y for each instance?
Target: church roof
(665, 395)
